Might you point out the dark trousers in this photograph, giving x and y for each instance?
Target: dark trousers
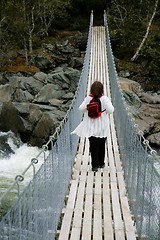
(97, 150)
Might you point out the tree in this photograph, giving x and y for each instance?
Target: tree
(49, 10)
(135, 56)
(28, 20)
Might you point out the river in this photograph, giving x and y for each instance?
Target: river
(14, 164)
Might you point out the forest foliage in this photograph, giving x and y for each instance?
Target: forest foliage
(25, 23)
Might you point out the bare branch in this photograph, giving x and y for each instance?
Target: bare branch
(146, 34)
(2, 20)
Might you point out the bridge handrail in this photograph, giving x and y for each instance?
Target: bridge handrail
(32, 213)
(138, 158)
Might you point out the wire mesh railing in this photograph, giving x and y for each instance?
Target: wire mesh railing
(141, 176)
(36, 213)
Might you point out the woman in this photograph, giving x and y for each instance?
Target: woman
(96, 129)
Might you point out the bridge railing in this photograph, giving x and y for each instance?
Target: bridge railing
(141, 176)
(37, 211)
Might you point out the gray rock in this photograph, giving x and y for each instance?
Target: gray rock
(22, 96)
(49, 47)
(124, 74)
(68, 96)
(3, 80)
(154, 138)
(72, 74)
(132, 99)
(43, 63)
(10, 119)
(59, 59)
(65, 47)
(34, 114)
(150, 98)
(55, 102)
(22, 108)
(44, 128)
(41, 76)
(145, 124)
(30, 84)
(77, 54)
(49, 92)
(77, 62)
(59, 77)
(6, 92)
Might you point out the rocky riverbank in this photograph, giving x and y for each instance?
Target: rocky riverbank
(145, 108)
(34, 99)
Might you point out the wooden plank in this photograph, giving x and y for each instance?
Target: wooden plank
(66, 224)
(80, 196)
(75, 234)
(67, 219)
(97, 225)
(87, 220)
(78, 211)
(107, 209)
(118, 223)
(72, 194)
(97, 221)
(76, 225)
(128, 223)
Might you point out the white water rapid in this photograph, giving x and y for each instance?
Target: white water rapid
(14, 164)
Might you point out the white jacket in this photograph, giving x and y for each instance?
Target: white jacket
(97, 127)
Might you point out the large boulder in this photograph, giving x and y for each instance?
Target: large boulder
(150, 98)
(49, 92)
(10, 118)
(130, 86)
(45, 127)
(154, 138)
(43, 63)
(145, 108)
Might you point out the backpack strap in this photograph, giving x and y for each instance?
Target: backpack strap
(91, 95)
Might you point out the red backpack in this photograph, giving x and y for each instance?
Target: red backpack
(94, 107)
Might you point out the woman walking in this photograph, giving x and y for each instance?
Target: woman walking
(96, 129)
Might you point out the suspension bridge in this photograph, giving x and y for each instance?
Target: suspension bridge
(66, 200)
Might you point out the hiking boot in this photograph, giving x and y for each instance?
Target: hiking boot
(95, 169)
(102, 166)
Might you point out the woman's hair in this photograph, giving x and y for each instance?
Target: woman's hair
(96, 89)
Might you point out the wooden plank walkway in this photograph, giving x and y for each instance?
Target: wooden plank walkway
(97, 205)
